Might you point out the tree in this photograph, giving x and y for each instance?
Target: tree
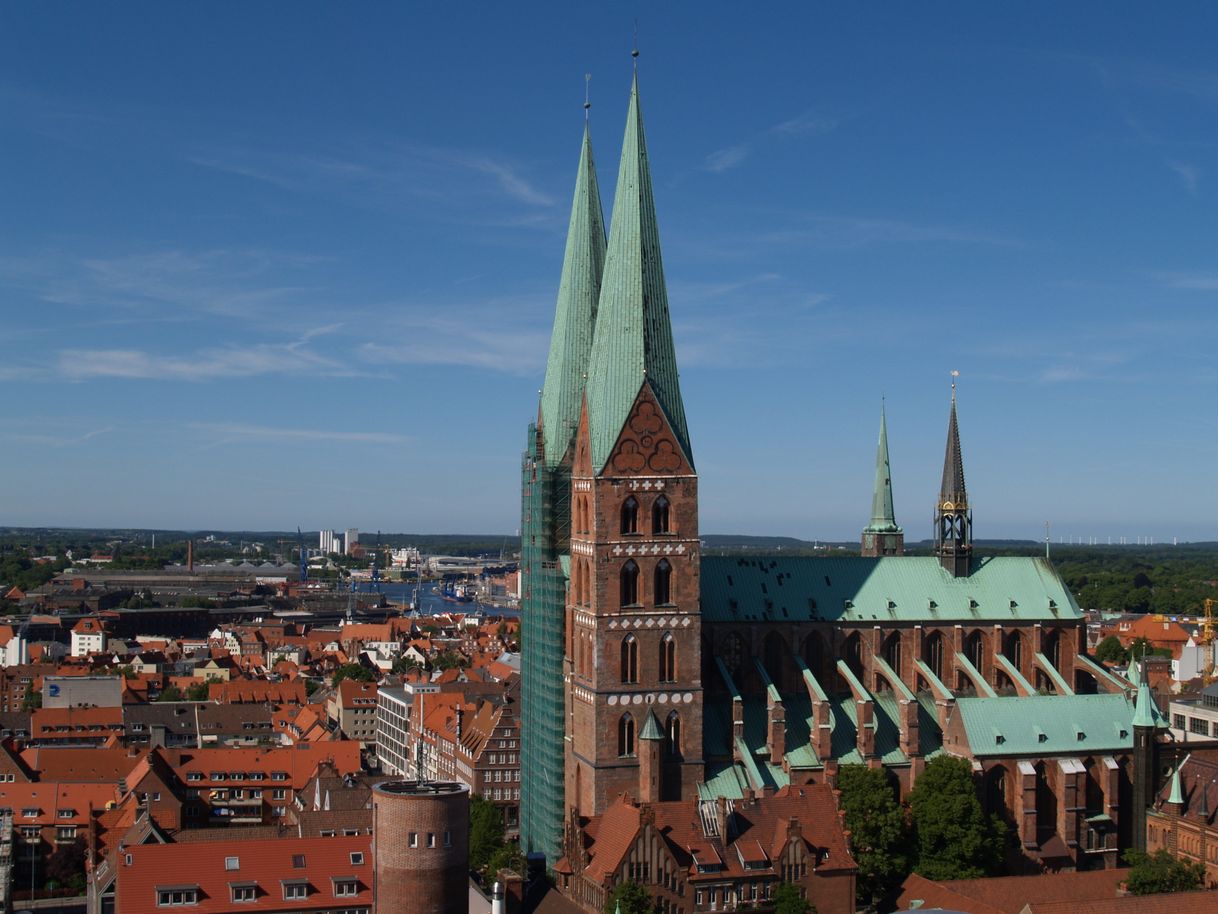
(630, 898)
(170, 693)
(485, 832)
(448, 660)
(879, 835)
(406, 664)
(1151, 874)
(788, 900)
(953, 837)
(67, 865)
(197, 691)
(1110, 651)
(352, 671)
(31, 699)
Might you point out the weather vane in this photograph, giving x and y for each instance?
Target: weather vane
(587, 88)
(955, 374)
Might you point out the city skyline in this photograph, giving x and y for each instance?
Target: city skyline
(304, 278)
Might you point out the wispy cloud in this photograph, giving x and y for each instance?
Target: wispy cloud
(170, 284)
(204, 365)
(856, 231)
(377, 174)
(723, 159)
(1198, 282)
(1189, 174)
(802, 124)
(45, 440)
(231, 432)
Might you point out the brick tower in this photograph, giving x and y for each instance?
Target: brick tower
(546, 517)
(633, 627)
(421, 847)
(882, 536)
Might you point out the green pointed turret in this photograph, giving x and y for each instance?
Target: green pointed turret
(633, 339)
(883, 520)
(575, 313)
(651, 728)
(1146, 712)
(1177, 789)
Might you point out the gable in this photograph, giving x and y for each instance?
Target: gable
(647, 444)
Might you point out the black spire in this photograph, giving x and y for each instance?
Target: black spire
(953, 518)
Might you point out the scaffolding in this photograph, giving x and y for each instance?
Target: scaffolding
(545, 511)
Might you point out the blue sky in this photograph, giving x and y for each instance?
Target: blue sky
(268, 265)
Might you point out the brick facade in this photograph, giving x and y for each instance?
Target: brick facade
(633, 621)
(421, 847)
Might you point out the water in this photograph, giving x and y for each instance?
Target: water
(433, 604)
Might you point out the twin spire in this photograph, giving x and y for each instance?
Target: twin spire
(575, 313)
(612, 331)
(953, 518)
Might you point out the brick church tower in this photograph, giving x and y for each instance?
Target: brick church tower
(633, 623)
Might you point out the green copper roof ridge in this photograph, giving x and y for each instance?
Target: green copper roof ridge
(574, 311)
(953, 489)
(633, 342)
(883, 518)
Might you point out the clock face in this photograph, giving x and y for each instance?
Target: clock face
(869, 540)
(948, 506)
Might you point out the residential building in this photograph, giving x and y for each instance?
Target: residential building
(352, 707)
(726, 856)
(1184, 819)
(88, 637)
(238, 876)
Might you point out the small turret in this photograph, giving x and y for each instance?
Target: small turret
(953, 517)
(882, 536)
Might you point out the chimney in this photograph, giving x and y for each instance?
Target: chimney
(722, 819)
(498, 906)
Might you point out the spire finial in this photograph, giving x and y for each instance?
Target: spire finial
(955, 374)
(634, 53)
(587, 88)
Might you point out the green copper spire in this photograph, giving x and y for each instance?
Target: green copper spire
(1146, 713)
(883, 520)
(651, 728)
(633, 341)
(575, 314)
(1177, 789)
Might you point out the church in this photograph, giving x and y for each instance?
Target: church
(654, 675)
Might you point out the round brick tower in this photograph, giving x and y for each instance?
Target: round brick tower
(420, 832)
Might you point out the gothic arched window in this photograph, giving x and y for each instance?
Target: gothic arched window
(659, 515)
(630, 515)
(629, 579)
(625, 735)
(668, 658)
(672, 734)
(932, 654)
(663, 582)
(630, 659)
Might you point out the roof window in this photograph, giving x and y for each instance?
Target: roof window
(298, 861)
(232, 863)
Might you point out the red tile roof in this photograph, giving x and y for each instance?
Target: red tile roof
(215, 867)
(1009, 894)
